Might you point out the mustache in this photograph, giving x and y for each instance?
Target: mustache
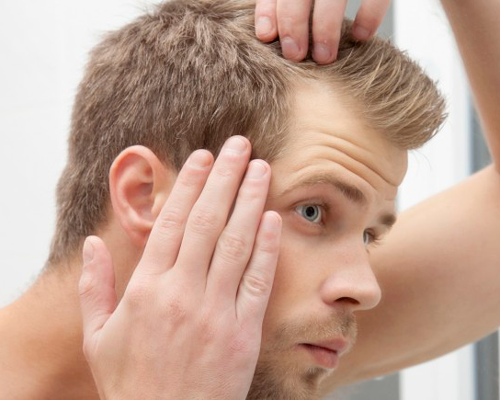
(314, 329)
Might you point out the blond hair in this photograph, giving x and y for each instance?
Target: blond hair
(191, 74)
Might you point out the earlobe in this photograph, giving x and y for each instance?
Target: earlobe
(139, 185)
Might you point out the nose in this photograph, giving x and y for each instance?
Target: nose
(351, 283)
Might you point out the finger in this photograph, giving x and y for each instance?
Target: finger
(327, 25)
(236, 242)
(210, 213)
(165, 239)
(369, 17)
(257, 281)
(96, 290)
(293, 27)
(266, 27)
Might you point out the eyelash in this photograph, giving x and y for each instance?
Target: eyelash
(325, 207)
(375, 239)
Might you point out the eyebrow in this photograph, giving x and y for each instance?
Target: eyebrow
(349, 191)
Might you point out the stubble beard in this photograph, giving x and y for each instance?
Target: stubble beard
(270, 384)
(279, 378)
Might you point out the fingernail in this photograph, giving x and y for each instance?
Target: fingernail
(361, 33)
(322, 53)
(236, 144)
(88, 252)
(289, 48)
(256, 170)
(263, 26)
(200, 159)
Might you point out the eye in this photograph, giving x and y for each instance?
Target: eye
(310, 212)
(369, 238)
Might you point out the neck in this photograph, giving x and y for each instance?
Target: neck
(41, 342)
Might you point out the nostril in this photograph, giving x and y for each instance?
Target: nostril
(348, 300)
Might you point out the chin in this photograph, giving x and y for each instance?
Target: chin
(286, 379)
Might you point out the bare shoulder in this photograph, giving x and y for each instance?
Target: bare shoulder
(438, 270)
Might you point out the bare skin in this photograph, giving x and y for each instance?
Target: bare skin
(45, 322)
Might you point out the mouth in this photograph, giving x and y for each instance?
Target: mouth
(327, 353)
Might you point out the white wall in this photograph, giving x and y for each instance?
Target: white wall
(43, 45)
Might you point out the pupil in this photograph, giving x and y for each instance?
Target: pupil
(310, 212)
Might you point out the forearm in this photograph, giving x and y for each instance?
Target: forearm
(477, 30)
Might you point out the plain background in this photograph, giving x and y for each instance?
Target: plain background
(44, 46)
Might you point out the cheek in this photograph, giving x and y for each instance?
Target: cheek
(293, 282)
(282, 300)
(291, 269)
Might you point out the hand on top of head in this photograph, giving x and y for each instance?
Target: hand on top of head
(290, 20)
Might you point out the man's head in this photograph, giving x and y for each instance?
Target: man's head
(335, 188)
(192, 74)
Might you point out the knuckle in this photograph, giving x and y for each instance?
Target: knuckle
(137, 294)
(204, 220)
(256, 284)
(223, 171)
(252, 190)
(269, 247)
(177, 309)
(171, 219)
(192, 177)
(233, 246)
(209, 328)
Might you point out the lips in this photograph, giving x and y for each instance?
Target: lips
(337, 345)
(326, 353)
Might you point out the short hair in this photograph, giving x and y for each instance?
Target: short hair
(192, 73)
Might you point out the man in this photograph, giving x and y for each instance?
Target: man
(334, 190)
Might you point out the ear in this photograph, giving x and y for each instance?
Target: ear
(139, 185)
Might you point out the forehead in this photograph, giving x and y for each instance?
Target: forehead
(328, 135)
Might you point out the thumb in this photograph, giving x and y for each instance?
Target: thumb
(96, 290)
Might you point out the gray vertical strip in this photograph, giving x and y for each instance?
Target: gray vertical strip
(487, 368)
(480, 153)
(486, 350)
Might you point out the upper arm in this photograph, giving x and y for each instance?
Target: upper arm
(439, 273)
